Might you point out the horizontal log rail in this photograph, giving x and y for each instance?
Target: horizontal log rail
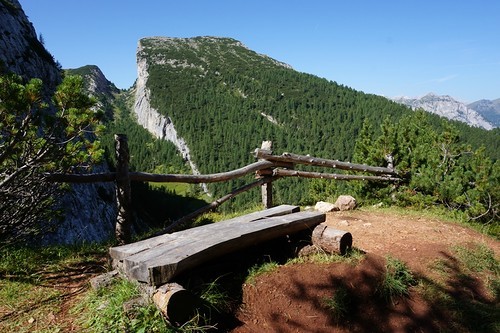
(307, 174)
(167, 178)
(315, 161)
(267, 165)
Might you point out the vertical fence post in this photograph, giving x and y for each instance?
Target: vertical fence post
(124, 220)
(267, 188)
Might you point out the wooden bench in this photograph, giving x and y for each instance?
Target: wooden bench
(157, 260)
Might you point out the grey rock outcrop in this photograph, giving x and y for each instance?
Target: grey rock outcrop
(447, 107)
(490, 110)
(20, 50)
(160, 126)
(89, 209)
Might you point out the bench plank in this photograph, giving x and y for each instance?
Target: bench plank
(124, 251)
(183, 251)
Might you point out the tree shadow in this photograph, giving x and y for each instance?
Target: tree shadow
(458, 304)
(455, 302)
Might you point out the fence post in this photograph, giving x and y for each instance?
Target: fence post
(267, 188)
(124, 220)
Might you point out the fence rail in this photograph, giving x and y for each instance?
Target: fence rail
(267, 169)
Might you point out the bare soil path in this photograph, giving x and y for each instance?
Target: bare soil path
(292, 299)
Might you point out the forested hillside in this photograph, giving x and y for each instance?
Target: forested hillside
(225, 99)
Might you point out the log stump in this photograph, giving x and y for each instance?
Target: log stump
(331, 240)
(176, 303)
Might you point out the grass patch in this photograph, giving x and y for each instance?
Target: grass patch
(352, 257)
(32, 263)
(102, 311)
(28, 308)
(458, 292)
(339, 304)
(215, 298)
(396, 281)
(258, 270)
(478, 258)
(177, 188)
(30, 297)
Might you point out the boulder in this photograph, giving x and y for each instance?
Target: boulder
(345, 202)
(324, 207)
(103, 280)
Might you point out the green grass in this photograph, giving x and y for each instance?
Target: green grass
(177, 188)
(102, 311)
(396, 281)
(339, 304)
(258, 270)
(216, 299)
(456, 291)
(29, 299)
(352, 257)
(477, 258)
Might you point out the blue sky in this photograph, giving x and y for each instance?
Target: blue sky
(390, 48)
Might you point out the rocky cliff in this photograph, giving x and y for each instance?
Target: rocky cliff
(89, 208)
(160, 126)
(20, 50)
(447, 107)
(490, 110)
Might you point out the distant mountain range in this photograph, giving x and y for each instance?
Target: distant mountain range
(216, 100)
(484, 113)
(490, 110)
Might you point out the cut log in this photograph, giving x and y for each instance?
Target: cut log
(331, 240)
(176, 303)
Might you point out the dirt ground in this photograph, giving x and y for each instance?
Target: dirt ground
(292, 299)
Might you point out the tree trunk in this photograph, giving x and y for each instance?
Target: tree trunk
(124, 220)
(176, 303)
(331, 240)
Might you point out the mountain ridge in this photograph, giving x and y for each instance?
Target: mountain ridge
(489, 109)
(446, 106)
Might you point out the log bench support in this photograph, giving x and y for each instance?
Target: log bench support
(331, 240)
(155, 262)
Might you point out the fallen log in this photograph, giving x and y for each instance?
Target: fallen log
(176, 303)
(331, 240)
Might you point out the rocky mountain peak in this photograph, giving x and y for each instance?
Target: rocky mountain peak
(489, 109)
(22, 52)
(447, 107)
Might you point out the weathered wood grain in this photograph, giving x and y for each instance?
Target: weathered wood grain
(160, 264)
(322, 162)
(121, 252)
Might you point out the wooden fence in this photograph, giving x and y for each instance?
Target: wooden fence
(267, 169)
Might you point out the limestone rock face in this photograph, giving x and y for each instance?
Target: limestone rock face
(345, 202)
(447, 107)
(89, 209)
(20, 50)
(160, 126)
